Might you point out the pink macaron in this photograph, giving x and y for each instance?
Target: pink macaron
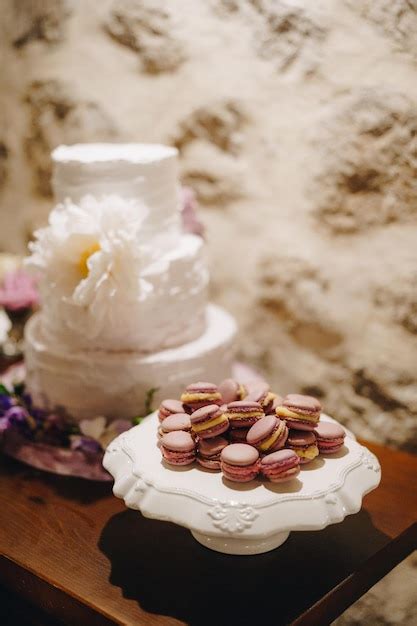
(178, 421)
(209, 421)
(300, 412)
(276, 402)
(244, 413)
(268, 434)
(261, 393)
(280, 466)
(200, 394)
(231, 391)
(209, 451)
(330, 437)
(304, 444)
(178, 448)
(240, 462)
(169, 407)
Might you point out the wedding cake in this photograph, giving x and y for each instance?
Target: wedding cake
(123, 288)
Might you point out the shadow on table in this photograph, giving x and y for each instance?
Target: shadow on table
(74, 489)
(167, 572)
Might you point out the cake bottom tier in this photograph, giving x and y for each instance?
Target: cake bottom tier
(115, 384)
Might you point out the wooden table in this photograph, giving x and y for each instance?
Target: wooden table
(73, 550)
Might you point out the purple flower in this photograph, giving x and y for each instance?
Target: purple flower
(4, 424)
(190, 221)
(19, 418)
(85, 444)
(19, 291)
(5, 403)
(17, 415)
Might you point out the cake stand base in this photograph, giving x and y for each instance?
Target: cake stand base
(241, 545)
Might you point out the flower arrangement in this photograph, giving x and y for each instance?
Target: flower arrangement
(47, 435)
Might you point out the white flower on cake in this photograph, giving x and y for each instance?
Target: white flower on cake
(91, 256)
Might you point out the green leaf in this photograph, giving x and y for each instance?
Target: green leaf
(4, 391)
(149, 399)
(136, 420)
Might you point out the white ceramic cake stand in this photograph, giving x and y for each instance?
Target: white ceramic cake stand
(236, 518)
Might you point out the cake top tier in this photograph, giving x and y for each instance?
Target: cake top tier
(113, 152)
(147, 173)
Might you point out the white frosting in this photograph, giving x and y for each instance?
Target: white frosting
(90, 383)
(148, 172)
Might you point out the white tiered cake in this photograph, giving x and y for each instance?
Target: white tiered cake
(124, 290)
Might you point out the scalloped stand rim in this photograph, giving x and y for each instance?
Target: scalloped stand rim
(241, 545)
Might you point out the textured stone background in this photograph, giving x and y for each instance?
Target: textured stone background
(297, 125)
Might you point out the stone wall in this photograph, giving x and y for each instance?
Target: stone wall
(297, 126)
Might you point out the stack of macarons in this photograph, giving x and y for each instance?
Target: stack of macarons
(245, 430)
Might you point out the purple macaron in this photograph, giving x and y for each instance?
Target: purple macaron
(178, 448)
(268, 434)
(209, 452)
(244, 413)
(261, 393)
(240, 462)
(276, 402)
(300, 412)
(169, 407)
(280, 466)
(200, 394)
(330, 437)
(304, 444)
(209, 421)
(231, 391)
(178, 421)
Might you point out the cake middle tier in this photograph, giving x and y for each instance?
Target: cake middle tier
(169, 311)
(87, 383)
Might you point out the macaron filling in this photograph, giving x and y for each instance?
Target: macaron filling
(269, 433)
(200, 399)
(307, 453)
(267, 400)
(277, 439)
(304, 444)
(282, 411)
(211, 423)
(241, 419)
(243, 414)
